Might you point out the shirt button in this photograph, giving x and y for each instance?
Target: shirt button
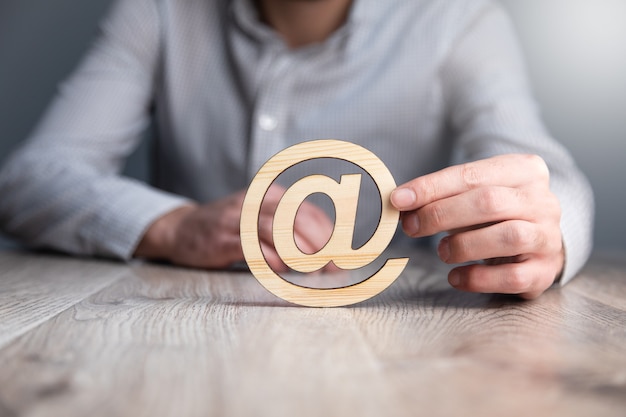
(268, 122)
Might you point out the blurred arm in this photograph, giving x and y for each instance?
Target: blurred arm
(493, 112)
(62, 189)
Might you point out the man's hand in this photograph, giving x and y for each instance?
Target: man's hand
(207, 236)
(499, 210)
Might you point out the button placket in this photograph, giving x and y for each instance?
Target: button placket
(269, 114)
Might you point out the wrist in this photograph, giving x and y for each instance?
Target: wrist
(159, 239)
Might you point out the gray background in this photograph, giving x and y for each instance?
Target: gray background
(576, 51)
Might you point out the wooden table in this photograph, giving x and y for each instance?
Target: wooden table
(83, 337)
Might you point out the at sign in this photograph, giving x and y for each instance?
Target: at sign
(339, 247)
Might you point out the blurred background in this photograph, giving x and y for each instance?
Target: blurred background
(576, 53)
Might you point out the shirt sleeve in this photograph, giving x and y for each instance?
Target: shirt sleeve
(62, 189)
(492, 112)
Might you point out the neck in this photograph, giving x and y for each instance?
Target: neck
(302, 22)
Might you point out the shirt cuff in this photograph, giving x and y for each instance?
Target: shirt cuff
(119, 226)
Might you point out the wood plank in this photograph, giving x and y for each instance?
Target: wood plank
(36, 288)
(563, 354)
(172, 341)
(176, 342)
(603, 280)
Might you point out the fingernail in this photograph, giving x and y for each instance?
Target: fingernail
(403, 197)
(454, 278)
(411, 224)
(444, 249)
(416, 222)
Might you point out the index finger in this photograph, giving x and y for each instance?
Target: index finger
(511, 170)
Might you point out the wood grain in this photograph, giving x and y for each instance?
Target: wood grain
(165, 341)
(37, 288)
(339, 247)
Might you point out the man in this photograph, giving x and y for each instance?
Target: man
(423, 84)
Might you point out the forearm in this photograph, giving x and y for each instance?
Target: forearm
(63, 189)
(66, 206)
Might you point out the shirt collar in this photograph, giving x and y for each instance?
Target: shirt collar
(246, 17)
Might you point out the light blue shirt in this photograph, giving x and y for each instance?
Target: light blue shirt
(422, 83)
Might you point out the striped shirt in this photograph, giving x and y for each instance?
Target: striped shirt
(421, 83)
